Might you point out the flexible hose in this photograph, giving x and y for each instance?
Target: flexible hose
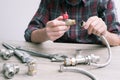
(109, 55)
(109, 51)
(80, 70)
(85, 72)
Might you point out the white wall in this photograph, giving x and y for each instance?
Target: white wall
(15, 16)
(117, 3)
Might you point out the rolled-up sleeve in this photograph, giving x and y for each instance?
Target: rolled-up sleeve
(38, 21)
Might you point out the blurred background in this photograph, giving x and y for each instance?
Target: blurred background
(16, 14)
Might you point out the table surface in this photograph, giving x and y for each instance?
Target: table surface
(47, 70)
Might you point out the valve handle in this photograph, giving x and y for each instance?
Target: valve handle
(65, 16)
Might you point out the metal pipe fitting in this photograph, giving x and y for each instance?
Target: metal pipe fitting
(70, 22)
(32, 68)
(9, 70)
(81, 60)
(82, 23)
(6, 54)
(25, 58)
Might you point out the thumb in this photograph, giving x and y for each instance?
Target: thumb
(59, 18)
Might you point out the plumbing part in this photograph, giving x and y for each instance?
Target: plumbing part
(82, 60)
(25, 58)
(82, 24)
(9, 70)
(91, 60)
(68, 22)
(32, 68)
(80, 70)
(6, 54)
(109, 55)
(108, 48)
(65, 16)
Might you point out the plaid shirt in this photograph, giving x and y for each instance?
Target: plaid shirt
(82, 10)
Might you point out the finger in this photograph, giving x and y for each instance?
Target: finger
(58, 34)
(96, 26)
(59, 18)
(93, 26)
(59, 28)
(89, 21)
(55, 23)
(101, 31)
(55, 35)
(100, 28)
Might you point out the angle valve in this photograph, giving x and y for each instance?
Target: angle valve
(82, 60)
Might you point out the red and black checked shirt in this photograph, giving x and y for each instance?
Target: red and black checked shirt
(82, 10)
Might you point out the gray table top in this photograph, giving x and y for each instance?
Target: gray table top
(47, 70)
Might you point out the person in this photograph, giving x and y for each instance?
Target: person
(99, 16)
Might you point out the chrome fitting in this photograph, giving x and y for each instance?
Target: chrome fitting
(82, 24)
(81, 60)
(6, 54)
(9, 70)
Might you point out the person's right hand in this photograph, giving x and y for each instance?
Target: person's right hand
(56, 28)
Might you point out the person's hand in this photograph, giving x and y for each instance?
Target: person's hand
(95, 25)
(56, 28)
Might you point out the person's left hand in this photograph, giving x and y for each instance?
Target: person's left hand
(95, 25)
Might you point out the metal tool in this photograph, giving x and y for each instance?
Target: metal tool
(25, 58)
(24, 55)
(9, 70)
(52, 57)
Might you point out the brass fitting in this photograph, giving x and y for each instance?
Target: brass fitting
(70, 22)
(32, 68)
